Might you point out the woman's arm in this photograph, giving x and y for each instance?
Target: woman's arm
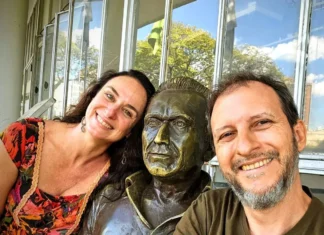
(8, 175)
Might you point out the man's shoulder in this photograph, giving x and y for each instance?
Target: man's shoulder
(221, 193)
(313, 220)
(217, 211)
(319, 205)
(318, 202)
(219, 198)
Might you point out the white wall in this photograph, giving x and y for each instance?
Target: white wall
(13, 20)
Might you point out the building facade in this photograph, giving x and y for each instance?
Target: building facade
(56, 48)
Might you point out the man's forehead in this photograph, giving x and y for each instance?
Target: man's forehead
(251, 88)
(246, 102)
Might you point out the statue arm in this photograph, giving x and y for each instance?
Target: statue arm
(108, 195)
(90, 218)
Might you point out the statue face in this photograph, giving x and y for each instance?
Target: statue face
(174, 133)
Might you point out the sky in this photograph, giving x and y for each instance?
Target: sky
(271, 26)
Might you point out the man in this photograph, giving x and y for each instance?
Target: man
(257, 136)
(176, 142)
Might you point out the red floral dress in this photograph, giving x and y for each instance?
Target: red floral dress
(29, 210)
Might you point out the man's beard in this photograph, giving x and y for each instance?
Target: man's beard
(275, 193)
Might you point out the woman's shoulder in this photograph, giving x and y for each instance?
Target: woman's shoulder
(20, 128)
(18, 135)
(25, 125)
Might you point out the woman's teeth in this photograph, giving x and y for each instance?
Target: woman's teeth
(102, 122)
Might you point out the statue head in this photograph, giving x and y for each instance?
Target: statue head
(175, 138)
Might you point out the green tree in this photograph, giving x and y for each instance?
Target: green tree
(77, 63)
(191, 54)
(250, 58)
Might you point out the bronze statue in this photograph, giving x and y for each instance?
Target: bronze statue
(176, 142)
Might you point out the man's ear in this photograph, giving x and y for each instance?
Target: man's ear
(300, 133)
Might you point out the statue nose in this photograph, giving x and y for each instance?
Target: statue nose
(162, 137)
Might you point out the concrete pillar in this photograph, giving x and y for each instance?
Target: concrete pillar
(13, 21)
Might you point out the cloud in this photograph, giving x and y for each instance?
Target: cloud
(94, 36)
(288, 51)
(312, 77)
(317, 83)
(316, 49)
(284, 51)
(318, 88)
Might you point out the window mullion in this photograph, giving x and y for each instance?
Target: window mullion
(166, 40)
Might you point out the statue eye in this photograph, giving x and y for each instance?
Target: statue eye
(153, 122)
(180, 123)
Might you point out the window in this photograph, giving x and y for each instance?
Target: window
(58, 73)
(313, 111)
(85, 47)
(30, 59)
(48, 35)
(149, 38)
(261, 37)
(192, 41)
(112, 32)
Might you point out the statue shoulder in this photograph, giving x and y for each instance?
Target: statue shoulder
(110, 193)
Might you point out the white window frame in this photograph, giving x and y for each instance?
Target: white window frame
(309, 163)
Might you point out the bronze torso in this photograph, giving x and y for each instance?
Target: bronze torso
(125, 215)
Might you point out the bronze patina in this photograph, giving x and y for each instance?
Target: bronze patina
(176, 143)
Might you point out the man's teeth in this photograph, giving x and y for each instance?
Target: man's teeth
(255, 165)
(102, 122)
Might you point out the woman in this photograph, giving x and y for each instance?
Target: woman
(49, 169)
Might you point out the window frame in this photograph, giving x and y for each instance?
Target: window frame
(308, 163)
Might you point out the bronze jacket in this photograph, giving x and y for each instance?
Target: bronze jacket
(124, 215)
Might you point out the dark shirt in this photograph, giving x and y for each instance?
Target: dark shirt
(219, 212)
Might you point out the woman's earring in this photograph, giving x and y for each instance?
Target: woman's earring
(123, 161)
(83, 124)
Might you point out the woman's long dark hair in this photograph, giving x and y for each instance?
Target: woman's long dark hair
(130, 148)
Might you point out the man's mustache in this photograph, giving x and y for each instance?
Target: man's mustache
(272, 154)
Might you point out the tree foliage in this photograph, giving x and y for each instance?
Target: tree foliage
(81, 61)
(191, 54)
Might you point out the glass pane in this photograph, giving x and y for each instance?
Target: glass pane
(28, 81)
(47, 61)
(261, 37)
(149, 38)
(35, 89)
(192, 41)
(112, 35)
(314, 89)
(85, 47)
(60, 64)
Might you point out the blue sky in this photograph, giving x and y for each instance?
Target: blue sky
(269, 25)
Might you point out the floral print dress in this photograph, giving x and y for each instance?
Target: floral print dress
(29, 210)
